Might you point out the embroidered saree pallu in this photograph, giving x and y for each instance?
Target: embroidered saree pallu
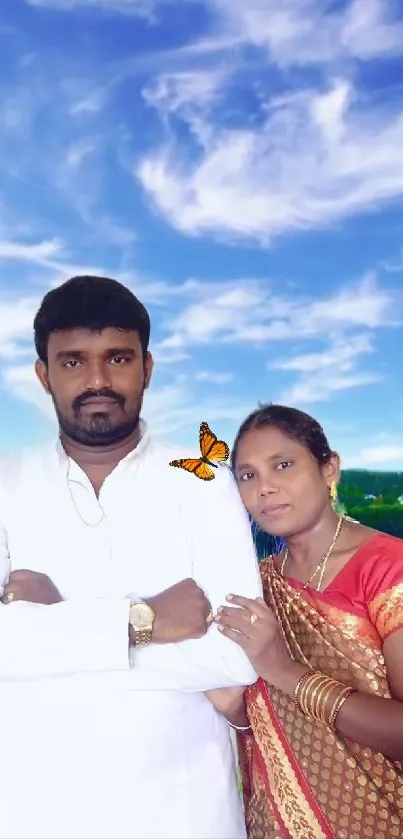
(302, 780)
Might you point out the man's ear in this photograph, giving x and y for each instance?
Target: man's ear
(148, 369)
(42, 373)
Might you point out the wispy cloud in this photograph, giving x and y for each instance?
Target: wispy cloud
(341, 357)
(253, 312)
(214, 378)
(142, 8)
(16, 318)
(377, 456)
(363, 29)
(228, 125)
(36, 253)
(310, 162)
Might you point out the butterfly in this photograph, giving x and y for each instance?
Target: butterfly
(211, 449)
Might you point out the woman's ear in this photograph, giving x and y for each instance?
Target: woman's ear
(331, 470)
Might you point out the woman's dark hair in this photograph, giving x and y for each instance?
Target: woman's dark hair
(295, 424)
(93, 303)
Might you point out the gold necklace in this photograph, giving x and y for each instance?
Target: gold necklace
(320, 568)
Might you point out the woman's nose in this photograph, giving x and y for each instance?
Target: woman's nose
(267, 487)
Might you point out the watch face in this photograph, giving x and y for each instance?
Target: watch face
(141, 616)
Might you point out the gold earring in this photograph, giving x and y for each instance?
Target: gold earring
(334, 495)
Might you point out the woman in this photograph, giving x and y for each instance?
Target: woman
(323, 757)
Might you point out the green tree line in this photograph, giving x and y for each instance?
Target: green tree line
(373, 498)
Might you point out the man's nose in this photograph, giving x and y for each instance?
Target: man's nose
(97, 375)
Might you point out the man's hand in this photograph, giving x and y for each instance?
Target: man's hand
(181, 613)
(31, 587)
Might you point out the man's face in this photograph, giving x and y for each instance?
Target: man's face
(97, 381)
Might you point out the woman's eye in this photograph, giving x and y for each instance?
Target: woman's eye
(285, 464)
(246, 476)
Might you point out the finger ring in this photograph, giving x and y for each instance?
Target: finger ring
(210, 618)
(8, 597)
(253, 619)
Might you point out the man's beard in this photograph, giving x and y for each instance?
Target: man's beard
(97, 430)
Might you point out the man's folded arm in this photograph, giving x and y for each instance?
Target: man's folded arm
(92, 635)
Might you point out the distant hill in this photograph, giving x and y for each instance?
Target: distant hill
(357, 483)
(367, 480)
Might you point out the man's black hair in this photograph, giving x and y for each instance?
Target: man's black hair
(93, 303)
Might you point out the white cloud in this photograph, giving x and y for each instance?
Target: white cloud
(23, 384)
(328, 371)
(174, 407)
(35, 253)
(16, 317)
(376, 456)
(252, 312)
(214, 378)
(319, 388)
(189, 89)
(142, 8)
(77, 153)
(365, 304)
(312, 161)
(362, 29)
(341, 357)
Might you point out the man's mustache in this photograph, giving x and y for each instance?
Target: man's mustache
(104, 393)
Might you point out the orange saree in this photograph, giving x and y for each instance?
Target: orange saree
(301, 780)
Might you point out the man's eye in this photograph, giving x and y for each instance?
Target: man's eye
(118, 360)
(72, 364)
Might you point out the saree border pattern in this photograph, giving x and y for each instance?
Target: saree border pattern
(314, 783)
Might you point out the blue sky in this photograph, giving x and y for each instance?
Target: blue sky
(240, 166)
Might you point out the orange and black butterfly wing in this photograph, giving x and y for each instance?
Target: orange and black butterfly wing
(210, 447)
(195, 467)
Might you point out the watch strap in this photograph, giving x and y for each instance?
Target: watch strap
(142, 636)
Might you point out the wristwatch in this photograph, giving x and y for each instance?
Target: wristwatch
(141, 620)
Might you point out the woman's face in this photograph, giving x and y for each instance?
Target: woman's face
(281, 484)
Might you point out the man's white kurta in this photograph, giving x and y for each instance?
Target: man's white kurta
(98, 742)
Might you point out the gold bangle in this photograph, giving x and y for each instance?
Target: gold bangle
(339, 702)
(321, 701)
(343, 693)
(332, 687)
(303, 697)
(308, 691)
(298, 686)
(312, 697)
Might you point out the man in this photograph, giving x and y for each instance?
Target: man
(111, 563)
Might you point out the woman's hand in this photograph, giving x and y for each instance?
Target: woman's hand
(230, 703)
(254, 627)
